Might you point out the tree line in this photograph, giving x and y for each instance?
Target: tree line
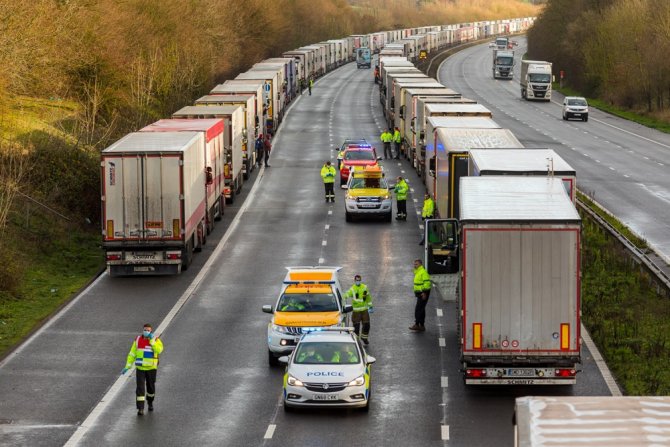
(615, 50)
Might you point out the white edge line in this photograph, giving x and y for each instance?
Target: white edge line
(600, 363)
(442, 342)
(109, 396)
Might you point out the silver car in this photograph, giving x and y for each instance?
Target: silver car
(575, 107)
(329, 368)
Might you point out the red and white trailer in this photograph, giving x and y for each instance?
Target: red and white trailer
(154, 202)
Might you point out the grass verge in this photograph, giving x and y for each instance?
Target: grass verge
(626, 317)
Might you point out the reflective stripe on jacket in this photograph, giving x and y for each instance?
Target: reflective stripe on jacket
(428, 208)
(328, 174)
(401, 189)
(360, 297)
(421, 279)
(144, 353)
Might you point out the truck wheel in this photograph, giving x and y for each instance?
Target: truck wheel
(272, 360)
(187, 256)
(200, 235)
(232, 197)
(247, 170)
(221, 208)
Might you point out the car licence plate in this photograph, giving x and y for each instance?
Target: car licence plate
(367, 205)
(521, 372)
(325, 397)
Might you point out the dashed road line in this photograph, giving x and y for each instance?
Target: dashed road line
(327, 226)
(444, 381)
(324, 243)
(322, 261)
(445, 432)
(442, 342)
(270, 431)
(439, 312)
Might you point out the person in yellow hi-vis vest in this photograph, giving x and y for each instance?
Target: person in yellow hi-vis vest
(144, 354)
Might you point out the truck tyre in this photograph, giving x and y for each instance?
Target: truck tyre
(272, 360)
(247, 170)
(187, 256)
(201, 239)
(232, 197)
(221, 208)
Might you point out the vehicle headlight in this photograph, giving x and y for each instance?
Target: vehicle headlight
(280, 329)
(293, 381)
(349, 197)
(358, 381)
(386, 197)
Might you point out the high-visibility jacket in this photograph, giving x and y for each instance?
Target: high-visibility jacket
(428, 208)
(401, 189)
(348, 357)
(421, 280)
(360, 297)
(396, 136)
(328, 174)
(144, 353)
(386, 137)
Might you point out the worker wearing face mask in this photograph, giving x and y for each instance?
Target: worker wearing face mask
(362, 304)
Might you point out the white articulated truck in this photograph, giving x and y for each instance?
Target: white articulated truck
(233, 117)
(535, 80)
(516, 247)
(503, 64)
(153, 202)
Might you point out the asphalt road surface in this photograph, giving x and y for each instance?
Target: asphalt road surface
(214, 384)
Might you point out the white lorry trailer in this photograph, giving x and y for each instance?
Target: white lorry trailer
(539, 162)
(249, 88)
(591, 421)
(535, 80)
(249, 133)
(516, 248)
(233, 117)
(503, 64)
(154, 202)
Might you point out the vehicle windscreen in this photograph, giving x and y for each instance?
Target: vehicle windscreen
(352, 143)
(327, 353)
(361, 183)
(307, 302)
(540, 77)
(504, 60)
(577, 102)
(359, 155)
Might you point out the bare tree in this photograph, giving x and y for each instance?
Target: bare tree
(12, 171)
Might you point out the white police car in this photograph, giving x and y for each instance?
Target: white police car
(329, 368)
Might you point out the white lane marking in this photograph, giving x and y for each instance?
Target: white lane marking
(270, 431)
(646, 158)
(327, 226)
(415, 200)
(330, 212)
(660, 164)
(445, 432)
(322, 261)
(442, 342)
(418, 212)
(324, 243)
(400, 164)
(110, 395)
(445, 382)
(612, 169)
(600, 363)
(626, 175)
(421, 227)
(402, 171)
(439, 312)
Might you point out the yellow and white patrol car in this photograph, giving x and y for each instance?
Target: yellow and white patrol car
(310, 297)
(329, 368)
(368, 194)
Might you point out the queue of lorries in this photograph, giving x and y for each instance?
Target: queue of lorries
(164, 187)
(506, 228)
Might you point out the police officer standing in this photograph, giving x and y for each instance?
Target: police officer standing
(144, 354)
(362, 304)
(401, 189)
(328, 176)
(396, 142)
(422, 286)
(387, 138)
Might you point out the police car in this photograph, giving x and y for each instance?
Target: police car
(310, 297)
(329, 368)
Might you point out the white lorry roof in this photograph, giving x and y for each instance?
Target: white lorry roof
(592, 420)
(153, 142)
(466, 108)
(519, 160)
(506, 198)
(206, 110)
(468, 122)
